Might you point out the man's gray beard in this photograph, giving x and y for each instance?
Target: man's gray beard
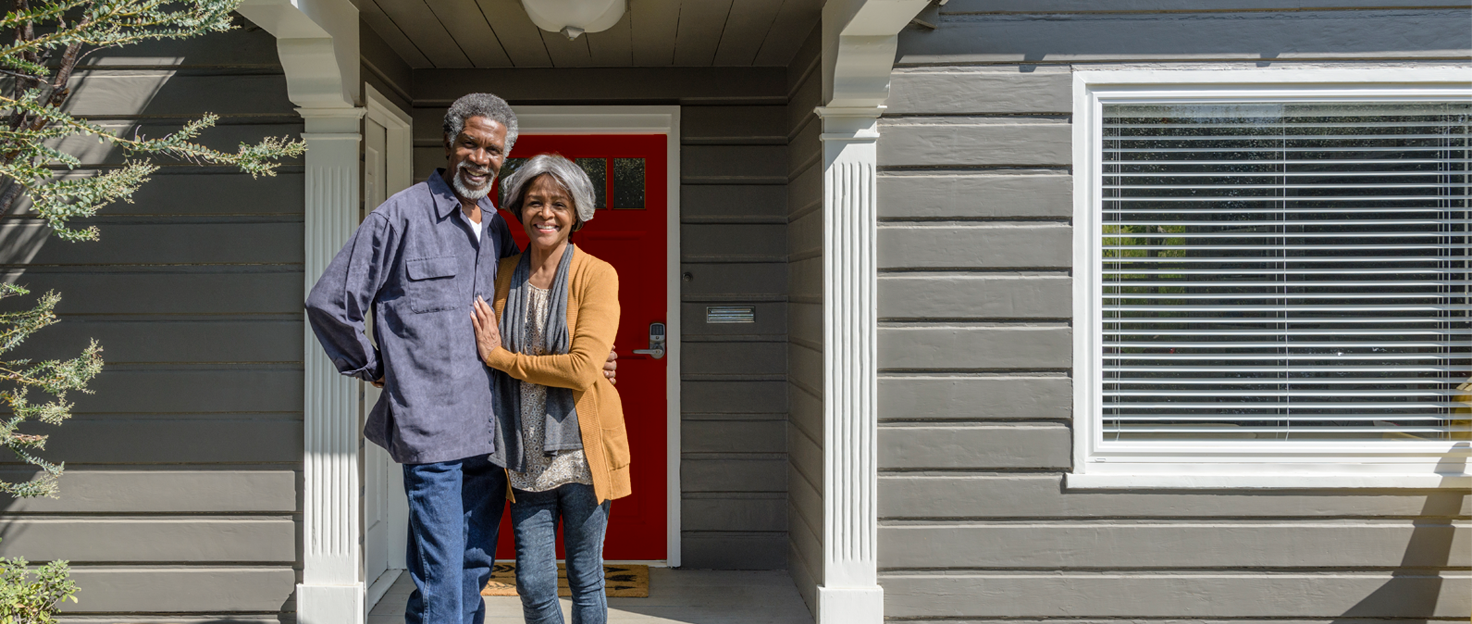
(465, 191)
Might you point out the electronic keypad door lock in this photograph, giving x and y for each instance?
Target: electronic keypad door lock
(656, 342)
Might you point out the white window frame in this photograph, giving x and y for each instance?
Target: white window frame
(1222, 464)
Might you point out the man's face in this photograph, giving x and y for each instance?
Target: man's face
(473, 159)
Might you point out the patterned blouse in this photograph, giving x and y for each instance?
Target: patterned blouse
(543, 472)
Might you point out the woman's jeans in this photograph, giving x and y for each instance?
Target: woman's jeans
(454, 513)
(534, 517)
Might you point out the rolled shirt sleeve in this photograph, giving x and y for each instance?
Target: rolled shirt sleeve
(338, 304)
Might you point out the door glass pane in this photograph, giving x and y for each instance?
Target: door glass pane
(628, 183)
(597, 170)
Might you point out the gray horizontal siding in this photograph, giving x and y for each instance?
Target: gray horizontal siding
(193, 388)
(952, 296)
(970, 142)
(1159, 545)
(104, 93)
(174, 588)
(974, 447)
(1042, 496)
(137, 339)
(732, 246)
(952, 245)
(180, 496)
(975, 396)
(915, 196)
(132, 290)
(961, 347)
(734, 125)
(174, 438)
(1178, 595)
(997, 397)
(972, 90)
(730, 511)
(188, 539)
(219, 240)
(174, 489)
(733, 467)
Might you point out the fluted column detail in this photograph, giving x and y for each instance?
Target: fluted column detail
(332, 588)
(849, 592)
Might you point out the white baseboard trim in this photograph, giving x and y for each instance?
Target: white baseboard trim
(851, 605)
(330, 604)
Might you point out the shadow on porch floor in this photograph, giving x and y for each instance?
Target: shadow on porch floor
(675, 596)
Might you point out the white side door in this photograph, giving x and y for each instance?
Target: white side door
(385, 507)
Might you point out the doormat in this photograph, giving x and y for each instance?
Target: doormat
(620, 581)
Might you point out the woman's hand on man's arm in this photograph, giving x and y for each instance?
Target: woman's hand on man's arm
(487, 332)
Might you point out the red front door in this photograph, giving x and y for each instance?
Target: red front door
(628, 231)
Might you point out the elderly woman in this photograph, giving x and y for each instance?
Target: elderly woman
(558, 311)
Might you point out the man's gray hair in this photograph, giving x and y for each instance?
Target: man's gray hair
(480, 105)
(565, 172)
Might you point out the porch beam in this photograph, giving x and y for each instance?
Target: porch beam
(859, 42)
(317, 41)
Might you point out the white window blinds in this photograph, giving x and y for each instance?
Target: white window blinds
(1285, 271)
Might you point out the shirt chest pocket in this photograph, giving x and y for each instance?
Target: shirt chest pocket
(431, 285)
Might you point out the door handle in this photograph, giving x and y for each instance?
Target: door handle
(656, 342)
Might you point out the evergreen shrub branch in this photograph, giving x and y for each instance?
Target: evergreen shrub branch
(50, 38)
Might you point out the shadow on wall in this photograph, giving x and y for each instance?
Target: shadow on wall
(1066, 36)
(1415, 587)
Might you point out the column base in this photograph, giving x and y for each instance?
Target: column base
(851, 605)
(329, 604)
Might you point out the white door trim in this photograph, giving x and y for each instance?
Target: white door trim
(640, 120)
(398, 175)
(400, 138)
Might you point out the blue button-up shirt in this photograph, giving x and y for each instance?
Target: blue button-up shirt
(418, 267)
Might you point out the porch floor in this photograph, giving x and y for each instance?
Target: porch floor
(684, 596)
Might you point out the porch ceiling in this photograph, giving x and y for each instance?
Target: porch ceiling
(652, 33)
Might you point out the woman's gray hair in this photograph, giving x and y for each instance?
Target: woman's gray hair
(480, 105)
(565, 172)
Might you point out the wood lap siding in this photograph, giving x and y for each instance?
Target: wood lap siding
(805, 322)
(733, 453)
(179, 501)
(975, 346)
(733, 199)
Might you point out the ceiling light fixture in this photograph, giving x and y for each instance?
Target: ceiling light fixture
(574, 17)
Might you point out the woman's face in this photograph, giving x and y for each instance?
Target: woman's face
(547, 213)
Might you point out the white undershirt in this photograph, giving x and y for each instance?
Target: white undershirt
(474, 227)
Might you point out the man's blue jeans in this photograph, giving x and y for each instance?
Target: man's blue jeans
(534, 518)
(454, 513)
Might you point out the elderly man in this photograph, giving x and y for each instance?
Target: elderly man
(418, 262)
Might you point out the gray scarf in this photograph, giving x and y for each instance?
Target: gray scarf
(561, 428)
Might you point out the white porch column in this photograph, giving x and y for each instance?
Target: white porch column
(332, 590)
(850, 592)
(860, 38)
(317, 41)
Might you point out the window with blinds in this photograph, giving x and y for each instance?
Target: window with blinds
(1285, 271)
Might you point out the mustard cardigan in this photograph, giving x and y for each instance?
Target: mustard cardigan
(592, 317)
